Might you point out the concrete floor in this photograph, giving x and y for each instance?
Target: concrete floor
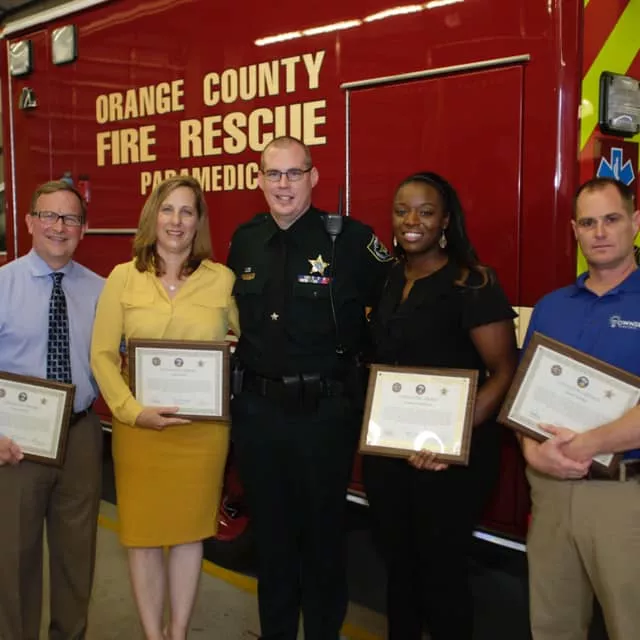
(226, 607)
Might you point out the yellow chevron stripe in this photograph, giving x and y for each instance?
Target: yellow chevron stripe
(617, 54)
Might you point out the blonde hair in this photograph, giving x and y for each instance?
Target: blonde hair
(145, 252)
(283, 142)
(54, 186)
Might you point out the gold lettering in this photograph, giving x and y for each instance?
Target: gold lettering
(130, 105)
(268, 79)
(248, 82)
(145, 182)
(102, 109)
(229, 176)
(233, 125)
(209, 134)
(147, 101)
(290, 72)
(103, 144)
(190, 139)
(216, 175)
(115, 106)
(163, 98)
(146, 140)
(203, 176)
(210, 96)
(295, 120)
(312, 120)
(258, 140)
(313, 63)
(229, 86)
(177, 93)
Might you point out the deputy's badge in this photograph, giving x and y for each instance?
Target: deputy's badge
(378, 250)
(318, 265)
(248, 273)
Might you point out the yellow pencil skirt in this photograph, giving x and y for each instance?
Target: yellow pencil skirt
(169, 482)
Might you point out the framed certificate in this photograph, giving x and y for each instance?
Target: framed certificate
(559, 385)
(410, 409)
(35, 414)
(188, 374)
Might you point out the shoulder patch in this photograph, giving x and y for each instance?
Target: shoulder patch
(377, 249)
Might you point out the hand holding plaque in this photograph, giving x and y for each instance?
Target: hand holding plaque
(558, 385)
(192, 375)
(410, 409)
(35, 414)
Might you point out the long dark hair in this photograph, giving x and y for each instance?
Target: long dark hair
(459, 247)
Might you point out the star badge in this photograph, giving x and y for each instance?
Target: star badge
(318, 265)
(274, 316)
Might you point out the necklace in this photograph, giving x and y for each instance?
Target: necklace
(172, 288)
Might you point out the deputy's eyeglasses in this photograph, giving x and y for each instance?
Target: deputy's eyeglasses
(49, 218)
(293, 175)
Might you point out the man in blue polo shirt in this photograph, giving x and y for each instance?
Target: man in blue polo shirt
(585, 534)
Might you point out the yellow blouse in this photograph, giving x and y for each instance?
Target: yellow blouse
(136, 305)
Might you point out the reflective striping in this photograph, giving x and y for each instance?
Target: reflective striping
(502, 542)
(599, 20)
(617, 54)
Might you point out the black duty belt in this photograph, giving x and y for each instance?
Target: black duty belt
(304, 389)
(76, 417)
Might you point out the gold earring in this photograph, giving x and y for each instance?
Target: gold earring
(443, 241)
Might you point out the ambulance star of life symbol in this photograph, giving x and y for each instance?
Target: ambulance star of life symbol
(444, 391)
(318, 265)
(616, 167)
(608, 394)
(274, 316)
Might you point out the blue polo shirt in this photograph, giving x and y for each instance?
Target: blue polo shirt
(606, 327)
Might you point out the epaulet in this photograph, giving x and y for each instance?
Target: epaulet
(257, 220)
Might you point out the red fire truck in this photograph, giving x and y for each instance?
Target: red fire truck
(514, 101)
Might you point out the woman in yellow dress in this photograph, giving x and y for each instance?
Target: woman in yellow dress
(168, 470)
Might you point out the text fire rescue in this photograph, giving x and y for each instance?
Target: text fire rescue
(213, 135)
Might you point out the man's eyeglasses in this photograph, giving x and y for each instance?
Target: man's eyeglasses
(293, 175)
(49, 218)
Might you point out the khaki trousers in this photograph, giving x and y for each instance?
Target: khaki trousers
(68, 500)
(584, 540)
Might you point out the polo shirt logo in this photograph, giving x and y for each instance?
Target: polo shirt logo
(616, 322)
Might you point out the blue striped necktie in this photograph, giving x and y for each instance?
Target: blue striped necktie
(58, 358)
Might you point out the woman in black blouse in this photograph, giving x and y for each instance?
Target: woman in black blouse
(440, 308)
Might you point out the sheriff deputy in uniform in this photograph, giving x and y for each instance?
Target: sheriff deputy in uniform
(304, 279)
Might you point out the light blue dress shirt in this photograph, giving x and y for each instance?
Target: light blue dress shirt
(25, 289)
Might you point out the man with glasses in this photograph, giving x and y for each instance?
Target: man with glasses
(47, 306)
(303, 282)
(585, 532)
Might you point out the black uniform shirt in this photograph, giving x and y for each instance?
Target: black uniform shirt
(431, 327)
(283, 292)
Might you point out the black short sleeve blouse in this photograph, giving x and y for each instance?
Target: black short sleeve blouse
(431, 327)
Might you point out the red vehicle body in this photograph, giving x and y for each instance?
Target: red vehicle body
(485, 92)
